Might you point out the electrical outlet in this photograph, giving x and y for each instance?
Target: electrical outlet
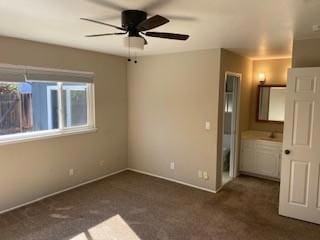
(199, 174)
(208, 125)
(205, 176)
(316, 28)
(101, 163)
(172, 167)
(71, 172)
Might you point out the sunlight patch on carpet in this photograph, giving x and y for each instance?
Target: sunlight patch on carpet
(113, 228)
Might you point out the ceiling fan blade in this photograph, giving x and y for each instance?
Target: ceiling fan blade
(173, 36)
(153, 22)
(171, 17)
(108, 18)
(181, 18)
(108, 4)
(102, 23)
(105, 34)
(155, 4)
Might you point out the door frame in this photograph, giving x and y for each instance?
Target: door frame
(235, 127)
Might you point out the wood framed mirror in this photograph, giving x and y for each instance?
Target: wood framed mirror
(271, 103)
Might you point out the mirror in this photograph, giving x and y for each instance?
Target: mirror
(271, 103)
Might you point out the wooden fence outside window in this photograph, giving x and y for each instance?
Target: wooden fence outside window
(15, 112)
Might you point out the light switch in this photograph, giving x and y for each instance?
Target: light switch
(199, 174)
(208, 125)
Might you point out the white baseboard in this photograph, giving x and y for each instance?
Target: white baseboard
(61, 191)
(173, 180)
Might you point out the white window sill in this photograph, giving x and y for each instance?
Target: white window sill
(43, 135)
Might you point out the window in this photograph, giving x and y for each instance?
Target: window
(32, 108)
(75, 105)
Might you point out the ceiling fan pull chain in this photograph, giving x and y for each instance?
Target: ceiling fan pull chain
(129, 51)
(135, 58)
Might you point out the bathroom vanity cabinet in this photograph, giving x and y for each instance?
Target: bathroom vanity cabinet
(260, 157)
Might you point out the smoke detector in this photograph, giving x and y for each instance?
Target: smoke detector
(316, 28)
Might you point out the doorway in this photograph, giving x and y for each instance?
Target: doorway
(230, 126)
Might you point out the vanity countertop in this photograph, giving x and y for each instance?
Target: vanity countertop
(262, 135)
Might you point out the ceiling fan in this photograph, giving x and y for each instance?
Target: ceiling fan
(135, 23)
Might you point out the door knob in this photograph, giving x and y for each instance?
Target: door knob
(287, 152)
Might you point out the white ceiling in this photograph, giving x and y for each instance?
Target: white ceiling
(255, 28)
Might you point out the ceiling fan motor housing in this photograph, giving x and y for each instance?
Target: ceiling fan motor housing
(131, 19)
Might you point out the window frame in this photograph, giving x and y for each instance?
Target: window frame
(61, 130)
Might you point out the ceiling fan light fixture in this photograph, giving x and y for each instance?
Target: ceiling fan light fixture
(134, 43)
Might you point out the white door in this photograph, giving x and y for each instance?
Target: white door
(300, 168)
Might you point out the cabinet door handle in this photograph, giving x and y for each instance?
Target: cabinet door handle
(287, 151)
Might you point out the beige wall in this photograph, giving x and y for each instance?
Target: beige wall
(31, 170)
(306, 53)
(231, 62)
(170, 99)
(276, 73)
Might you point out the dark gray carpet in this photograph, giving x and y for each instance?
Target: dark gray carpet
(134, 206)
